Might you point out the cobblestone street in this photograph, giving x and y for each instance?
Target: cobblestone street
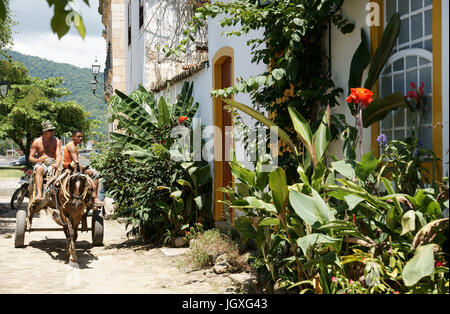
(120, 266)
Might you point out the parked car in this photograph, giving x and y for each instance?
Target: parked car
(18, 162)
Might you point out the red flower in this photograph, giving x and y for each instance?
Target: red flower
(182, 119)
(415, 94)
(396, 292)
(334, 279)
(361, 96)
(439, 264)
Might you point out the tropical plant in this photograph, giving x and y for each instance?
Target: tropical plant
(379, 247)
(147, 121)
(407, 164)
(157, 193)
(250, 196)
(191, 199)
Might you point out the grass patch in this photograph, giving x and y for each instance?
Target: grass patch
(11, 172)
(207, 246)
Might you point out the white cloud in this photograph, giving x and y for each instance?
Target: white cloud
(33, 35)
(70, 49)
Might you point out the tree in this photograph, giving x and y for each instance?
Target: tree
(31, 101)
(65, 15)
(6, 24)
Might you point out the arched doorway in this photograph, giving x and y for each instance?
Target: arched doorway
(223, 77)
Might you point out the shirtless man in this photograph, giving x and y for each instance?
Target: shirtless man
(46, 147)
(71, 155)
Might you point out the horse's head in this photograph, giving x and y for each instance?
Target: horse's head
(77, 186)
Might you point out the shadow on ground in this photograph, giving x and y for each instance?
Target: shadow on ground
(56, 249)
(134, 243)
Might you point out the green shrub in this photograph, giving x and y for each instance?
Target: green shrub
(157, 194)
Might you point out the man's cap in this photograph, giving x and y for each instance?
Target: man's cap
(47, 125)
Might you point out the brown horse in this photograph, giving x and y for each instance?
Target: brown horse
(70, 196)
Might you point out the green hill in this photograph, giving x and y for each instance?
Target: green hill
(76, 80)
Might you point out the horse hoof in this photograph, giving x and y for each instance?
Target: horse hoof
(73, 264)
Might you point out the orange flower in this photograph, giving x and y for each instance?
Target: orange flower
(182, 119)
(361, 96)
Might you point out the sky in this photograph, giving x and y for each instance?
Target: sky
(33, 35)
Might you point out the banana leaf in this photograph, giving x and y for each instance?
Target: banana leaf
(360, 61)
(122, 140)
(261, 118)
(137, 131)
(279, 187)
(383, 51)
(131, 105)
(380, 107)
(163, 112)
(322, 137)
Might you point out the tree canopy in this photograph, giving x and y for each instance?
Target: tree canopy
(31, 101)
(6, 24)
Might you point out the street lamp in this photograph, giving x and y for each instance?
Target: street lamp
(93, 85)
(95, 71)
(4, 86)
(95, 68)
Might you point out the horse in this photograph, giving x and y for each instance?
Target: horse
(69, 196)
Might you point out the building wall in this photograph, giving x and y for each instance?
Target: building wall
(243, 68)
(135, 52)
(118, 39)
(113, 18)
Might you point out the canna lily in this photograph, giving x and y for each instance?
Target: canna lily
(182, 119)
(361, 96)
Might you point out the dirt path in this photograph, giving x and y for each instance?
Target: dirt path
(120, 266)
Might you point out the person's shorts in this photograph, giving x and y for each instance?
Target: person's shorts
(46, 168)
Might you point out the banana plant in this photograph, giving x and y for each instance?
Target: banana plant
(144, 119)
(362, 59)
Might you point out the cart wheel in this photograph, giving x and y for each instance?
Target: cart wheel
(97, 227)
(17, 198)
(19, 239)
